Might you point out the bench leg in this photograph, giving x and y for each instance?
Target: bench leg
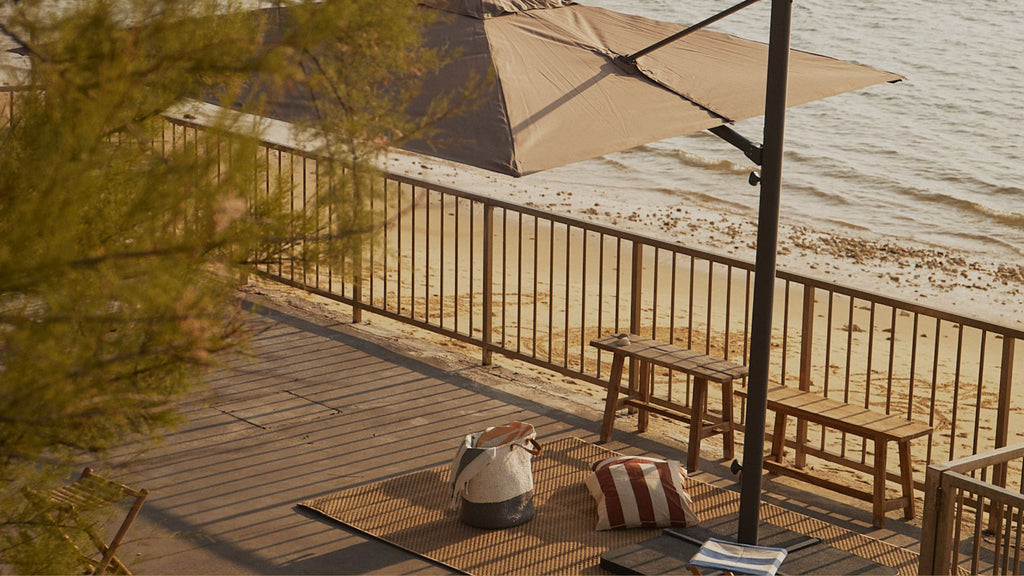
(800, 455)
(645, 384)
(878, 496)
(779, 438)
(907, 479)
(728, 435)
(699, 408)
(612, 400)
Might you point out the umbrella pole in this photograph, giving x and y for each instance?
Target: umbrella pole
(764, 271)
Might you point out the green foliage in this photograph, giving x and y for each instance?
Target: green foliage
(122, 247)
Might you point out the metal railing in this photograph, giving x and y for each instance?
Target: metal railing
(972, 521)
(537, 287)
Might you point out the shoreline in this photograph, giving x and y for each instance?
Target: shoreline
(901, 268)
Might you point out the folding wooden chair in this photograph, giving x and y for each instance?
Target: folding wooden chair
(88, 493)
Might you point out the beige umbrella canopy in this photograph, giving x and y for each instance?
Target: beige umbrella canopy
(556, 95)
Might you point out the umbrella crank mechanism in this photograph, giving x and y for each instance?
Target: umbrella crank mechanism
(736, 468)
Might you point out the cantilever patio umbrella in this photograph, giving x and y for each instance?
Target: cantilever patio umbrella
(567, 82)
(559, 88)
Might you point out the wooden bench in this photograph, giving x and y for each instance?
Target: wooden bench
(647, 353)
(880, 428)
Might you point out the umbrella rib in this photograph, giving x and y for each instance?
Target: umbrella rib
(631, 59)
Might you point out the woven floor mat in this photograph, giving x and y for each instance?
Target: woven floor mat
(411, 512)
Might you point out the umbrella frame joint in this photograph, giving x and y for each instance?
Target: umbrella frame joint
(754, 152)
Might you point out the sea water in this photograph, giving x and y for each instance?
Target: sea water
(936, 160)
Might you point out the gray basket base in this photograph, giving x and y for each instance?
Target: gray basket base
(494, 515)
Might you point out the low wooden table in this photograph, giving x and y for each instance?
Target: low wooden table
(703, 368)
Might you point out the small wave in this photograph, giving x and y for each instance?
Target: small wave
(1005, 217)
(989, 240)
(714, 164)
(706, 200)
(611, 162)
(676, 155)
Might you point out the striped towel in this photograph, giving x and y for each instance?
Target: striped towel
(739, 558)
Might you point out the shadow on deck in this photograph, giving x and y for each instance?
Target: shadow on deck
(320, 405)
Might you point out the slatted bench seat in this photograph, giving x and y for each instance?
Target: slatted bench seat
(703, 368)
(880, 428)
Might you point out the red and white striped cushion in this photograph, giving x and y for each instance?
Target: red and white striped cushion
(635, 491)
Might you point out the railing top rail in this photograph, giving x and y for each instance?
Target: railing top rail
(1006, 331)
(982, 460)
(983, 489)
(903, 305)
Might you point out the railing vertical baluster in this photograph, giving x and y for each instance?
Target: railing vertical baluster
(636, 288)
(674, 272)
(584, 287)
(748, 299)
(728, 311)
(536, 293)
(551, 290)
(931, 537)
(488, 282)
(441, 269)
(413, 204)
(635, 303)
(892, 357)
(519, 285)
(280, 189)
(976, 537)
(330, 188)
(784, 375)
(1000, 471)
(618, 283)
(849, 349)
(978, 399)
(710, 307)
(870, 355)
(954, 545)
(472, 265)
(568, 296)
(600, 295)
(427, 284)
(806, 339)
(656, 277)
(399, 265)
(457, 257)
(1019, 541)
(305, 211)
(689, 305)
(504, 276)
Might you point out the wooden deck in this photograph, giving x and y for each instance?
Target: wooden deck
(322, 405)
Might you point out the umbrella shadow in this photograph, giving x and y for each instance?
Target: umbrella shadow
(608, 69)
